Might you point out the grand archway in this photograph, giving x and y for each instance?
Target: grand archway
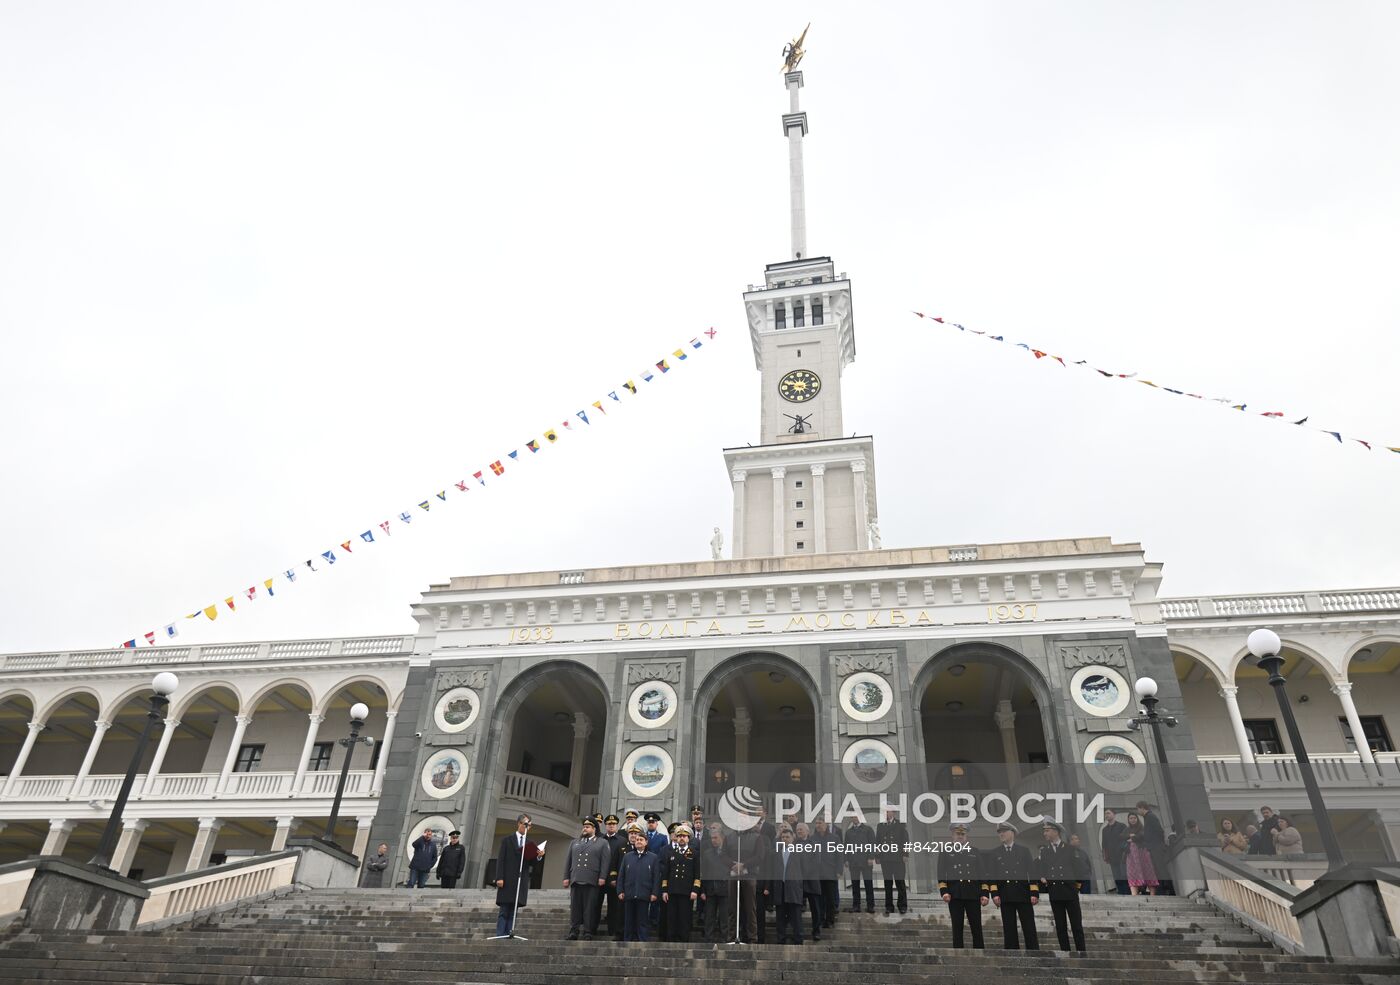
(756, 718)
(549, 730)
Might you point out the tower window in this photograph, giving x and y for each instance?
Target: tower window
(799, 483)
(801, 524)
(797, 505)
(800, 545)
(797, 314)
(780, 316)
(816, 312)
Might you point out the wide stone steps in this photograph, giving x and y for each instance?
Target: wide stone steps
(406, 937)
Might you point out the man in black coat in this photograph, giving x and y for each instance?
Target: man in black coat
(680, 886)
(617, 844)
(1015, 888)
(892, 837)
(718, 890)
(1155, 838)
(811, 872)
(515, 862)
(962, 886)
(425, 853)
(784, 889)
(1060, 869)
(452, 862)
(1113, 845)
(860, 858)
(829, 837)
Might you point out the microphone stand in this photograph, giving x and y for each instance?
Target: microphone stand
(519, 885)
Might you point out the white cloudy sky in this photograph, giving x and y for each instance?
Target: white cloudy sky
(271, 273)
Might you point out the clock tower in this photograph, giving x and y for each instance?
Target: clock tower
(807, 488)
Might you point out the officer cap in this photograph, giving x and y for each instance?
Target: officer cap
(1006, 826)
(957, 826)
(610, 819)
(590, 822)
(1051, 824)
(670, 828)
(697, 809)
(454, 834)
(635, 828)
(631, 814)
(684, 829)
(653, 816)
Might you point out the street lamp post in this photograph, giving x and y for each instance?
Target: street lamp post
(358, 713)
(1146, 690)
(163, 685)
(1265, 645)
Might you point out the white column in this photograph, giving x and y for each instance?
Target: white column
(232, 756)
(779, 512)
(743, 728)
(795, 129)
(862, 507)
(306, 747)
(132, 830)
(362, 825)
(583, 728)
(203, 845)
(59, 830)
(283, 832)
(99, 731)
(738, 476)
(1342, 689)
(819, 508)
(1006, 721)
(1232, 707)
(166, 734)
(34, 729)
(382, 763)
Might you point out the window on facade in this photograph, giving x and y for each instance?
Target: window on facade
(797, 314)
(799, 483)
(800, 524)
(248, 759)
(320, 756)
(1373, 726)
(780, 317)
(816, 278)
(374, 755)
(797, 505)
(816, 312)
(800, 545)
(1263, 736)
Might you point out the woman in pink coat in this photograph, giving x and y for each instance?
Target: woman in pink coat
(1142, 874)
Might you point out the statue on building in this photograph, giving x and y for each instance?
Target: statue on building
(793, 51)
(717, 545)
(873, 528)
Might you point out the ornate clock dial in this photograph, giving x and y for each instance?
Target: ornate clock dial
(799, 386)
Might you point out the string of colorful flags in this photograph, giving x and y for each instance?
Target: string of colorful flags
(338, 552)
(1230, 402)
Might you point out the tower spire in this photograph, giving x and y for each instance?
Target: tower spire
(795, 128)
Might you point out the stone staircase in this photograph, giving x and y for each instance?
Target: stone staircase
(352, 937)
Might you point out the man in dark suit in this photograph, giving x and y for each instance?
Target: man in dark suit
(829, 837)
(452, 862)
(1012, 881)
(860, 857)
(892, 837)
(784, 889)
(1113, 844)
(1060, 868)
(962, 886)
(515, 861)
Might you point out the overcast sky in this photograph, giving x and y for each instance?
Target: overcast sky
(272, 273)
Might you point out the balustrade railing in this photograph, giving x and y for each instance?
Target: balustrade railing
(196, 786)
(1332, 770)
(177, 895)
(538, 790)
(1264, 904)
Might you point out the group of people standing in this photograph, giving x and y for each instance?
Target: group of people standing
(1136, 851)
(1274, 834)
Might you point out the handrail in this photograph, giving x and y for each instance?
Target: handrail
(1266, 905)
(188, 892)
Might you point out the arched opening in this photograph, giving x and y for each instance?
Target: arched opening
(1314, 706)
(16, 712)
(321, 772)
(758, 725)
(199, 742)
(549, 759)
(981, 720)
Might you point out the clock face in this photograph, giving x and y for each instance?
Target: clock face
(799, 386)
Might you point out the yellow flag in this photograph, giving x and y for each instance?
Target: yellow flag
(212, 612)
